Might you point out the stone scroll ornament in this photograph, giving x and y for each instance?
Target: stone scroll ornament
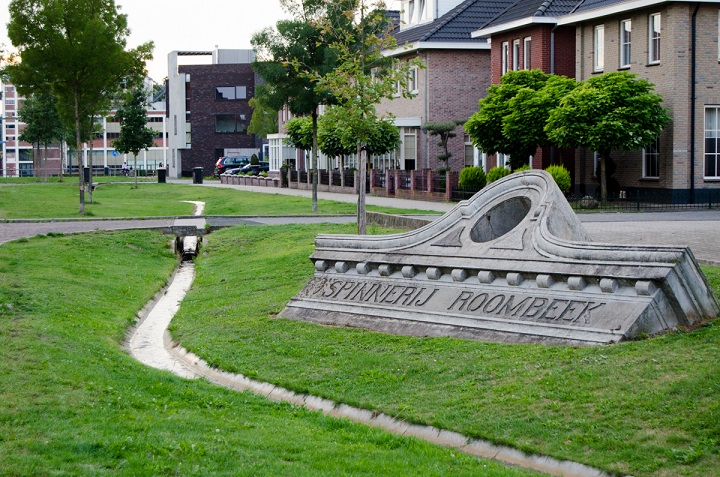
(512, 264)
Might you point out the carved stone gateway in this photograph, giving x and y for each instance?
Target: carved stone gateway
(511, 264)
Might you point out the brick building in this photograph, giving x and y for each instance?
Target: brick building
(17, 156)
(455, 76)
(672, 44)
(208, 109)
(527, 36)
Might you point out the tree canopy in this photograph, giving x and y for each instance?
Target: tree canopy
(134, 133)
(42, 121)
(511, 118)
(76, 51)
(613, 111)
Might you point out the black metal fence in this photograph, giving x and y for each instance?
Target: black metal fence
(637, 200)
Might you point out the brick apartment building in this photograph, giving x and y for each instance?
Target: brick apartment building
(456, 75)
(17, 156)
(208, 109)
(672, 44)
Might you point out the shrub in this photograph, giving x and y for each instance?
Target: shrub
(496, 173)
(472, 178)
(254, 160)
(525, 167)
(561, 176)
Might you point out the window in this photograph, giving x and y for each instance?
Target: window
(504, 53)
(230, 123)
(527, 43)
(599, 48)
(409, 148)
(651, 160)
(516, 55)
(412, 85)
(625, 37)
(654, 38)
(712, 142)
(469, 152)
(230, 93)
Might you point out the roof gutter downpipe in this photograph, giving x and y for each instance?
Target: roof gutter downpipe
(693, 99)
(552, 49)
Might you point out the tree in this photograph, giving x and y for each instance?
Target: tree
(300, 133)
(289, 57)
(74, 50)
(134, 133)
(445, 130)
(42, 123)
(511, 118)
(612, 111)
(363, 76)
(264, 119)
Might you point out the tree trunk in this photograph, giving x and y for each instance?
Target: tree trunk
(79, 155)
(315, 161)
(342, 170)
(45, 162)
(135, 168)
(362, 166)
(603, 175)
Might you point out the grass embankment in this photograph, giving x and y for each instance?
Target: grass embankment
(72, 402)
(56, 200)
(643, 408)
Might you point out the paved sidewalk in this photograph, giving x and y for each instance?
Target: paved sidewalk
(698, 229)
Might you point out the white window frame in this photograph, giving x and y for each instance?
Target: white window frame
(599, 48)
(712, 131)
(516, 55)
(654, 38)
(654, 156)
(412, 85)
(625, 43)
(527, 50)
(504, 57)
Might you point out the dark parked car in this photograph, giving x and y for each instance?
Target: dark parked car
(225, 163)
(255, 169)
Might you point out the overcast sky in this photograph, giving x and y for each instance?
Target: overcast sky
(197, 25)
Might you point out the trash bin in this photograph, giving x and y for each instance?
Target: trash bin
(86, 174)
(107, 171)
(162, 174)
(197, 175)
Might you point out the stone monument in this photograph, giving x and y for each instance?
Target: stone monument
(511, 264)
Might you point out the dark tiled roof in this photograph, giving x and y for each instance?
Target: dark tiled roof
(585, 5)
(457, 24)
(521, 9)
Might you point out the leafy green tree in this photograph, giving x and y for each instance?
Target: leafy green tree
(612, 111)
(289, 56)
(300, 133)
(264, 118)
(363, 76)
(134, 133)
(42, 123)
(444, 130)
(511, 118)
(74, 50)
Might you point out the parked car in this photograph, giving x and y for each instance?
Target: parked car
(230, 162)
(255, 169)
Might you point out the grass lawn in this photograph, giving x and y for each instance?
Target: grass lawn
(72, 402)
(120, 199)
(645, 408)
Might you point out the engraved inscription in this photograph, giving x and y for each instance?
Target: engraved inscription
(516, 306)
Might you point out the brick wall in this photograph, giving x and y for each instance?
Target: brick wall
(672, 80)
(203, 107)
